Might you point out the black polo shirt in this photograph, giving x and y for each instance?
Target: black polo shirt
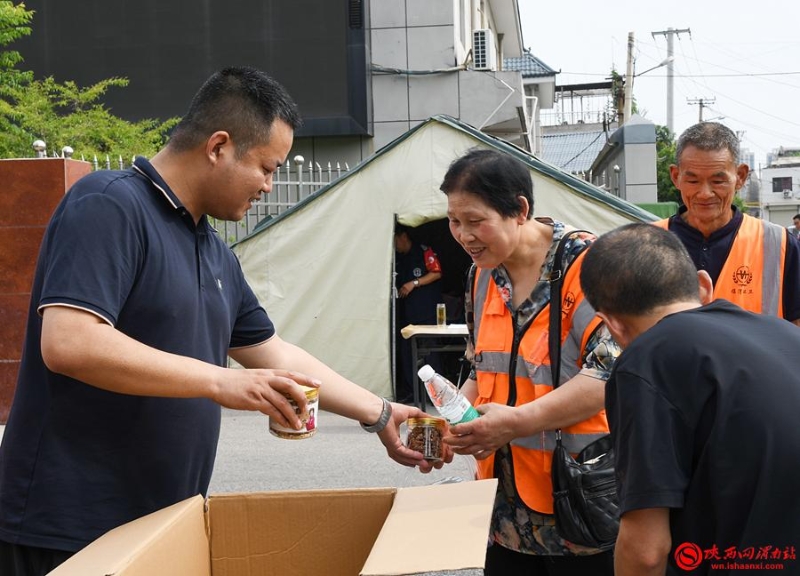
(710, 254)
(76, 460)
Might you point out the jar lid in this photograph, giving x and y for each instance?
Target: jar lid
(438, 422)
(310, 392)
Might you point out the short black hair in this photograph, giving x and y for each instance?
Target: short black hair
(497, 178)
(796, 217)
(242, 101)
(636, 268)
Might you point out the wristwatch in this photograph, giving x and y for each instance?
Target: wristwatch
(383, 420)
(416, 282)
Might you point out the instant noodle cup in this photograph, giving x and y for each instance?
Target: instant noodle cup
(309, 418)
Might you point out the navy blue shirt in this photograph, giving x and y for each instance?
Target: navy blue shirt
(419, 307)
(710, 254)
(77, 460)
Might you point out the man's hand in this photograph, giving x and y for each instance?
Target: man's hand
(265, 390)
(406, 289)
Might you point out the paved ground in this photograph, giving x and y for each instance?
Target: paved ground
(339, 455)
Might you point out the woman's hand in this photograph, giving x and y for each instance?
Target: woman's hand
(496, 427)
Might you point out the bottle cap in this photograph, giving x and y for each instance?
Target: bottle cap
(426, 373)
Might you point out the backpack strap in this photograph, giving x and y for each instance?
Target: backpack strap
(556, 280)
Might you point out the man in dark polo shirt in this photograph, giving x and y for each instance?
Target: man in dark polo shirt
(136, 305)
(752, 262)
(702, 407)
(418, 283)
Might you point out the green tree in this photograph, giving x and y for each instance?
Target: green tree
(665, 156)
(618, 97)
(14, 22)
(63, 114)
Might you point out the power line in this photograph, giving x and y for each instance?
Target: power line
(737, 75)
(565, 164)
(701, 103)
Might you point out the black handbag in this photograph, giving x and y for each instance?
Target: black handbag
(585, 501)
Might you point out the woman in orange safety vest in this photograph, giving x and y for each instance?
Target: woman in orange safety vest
(490, 206)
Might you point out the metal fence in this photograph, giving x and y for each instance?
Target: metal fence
(291, 183)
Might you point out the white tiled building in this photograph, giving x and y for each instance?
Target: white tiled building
(780, 187)
(431, 57)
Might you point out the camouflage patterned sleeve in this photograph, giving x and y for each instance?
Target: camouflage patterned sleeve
(469, 318)
(601, 353)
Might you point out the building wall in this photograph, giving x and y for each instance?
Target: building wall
(406, 41)
(414, 49)
(778, 207)
(627, 165)
(640, 180)
(426, 41)
(30, 191)
(413, 36)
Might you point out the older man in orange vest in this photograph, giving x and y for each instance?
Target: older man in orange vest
(752, 262)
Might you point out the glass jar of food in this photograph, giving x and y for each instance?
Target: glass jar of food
(425, 435)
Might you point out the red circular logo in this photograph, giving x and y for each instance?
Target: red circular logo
(688, 556)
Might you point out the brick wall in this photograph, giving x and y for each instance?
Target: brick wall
(30, 190)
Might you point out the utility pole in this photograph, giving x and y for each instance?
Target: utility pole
(628, 103)
(701, 103)
(670, 34)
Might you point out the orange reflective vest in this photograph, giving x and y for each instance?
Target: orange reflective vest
(752, 276)
(512, 366)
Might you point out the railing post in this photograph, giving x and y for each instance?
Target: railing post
(298, 162)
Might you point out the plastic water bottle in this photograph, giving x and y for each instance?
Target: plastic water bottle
(448, 400)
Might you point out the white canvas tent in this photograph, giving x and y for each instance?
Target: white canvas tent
(323, 270)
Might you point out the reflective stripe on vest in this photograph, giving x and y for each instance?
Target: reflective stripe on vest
(493, 330)
(494, 361)
(752, 275)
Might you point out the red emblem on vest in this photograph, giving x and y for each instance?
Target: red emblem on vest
(742, 276)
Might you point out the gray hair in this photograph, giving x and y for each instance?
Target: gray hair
(708, 136)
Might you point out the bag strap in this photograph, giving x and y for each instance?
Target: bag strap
(554, 337)
(556, 280)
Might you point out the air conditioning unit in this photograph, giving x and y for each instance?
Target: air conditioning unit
(787, 194)
(484, 56)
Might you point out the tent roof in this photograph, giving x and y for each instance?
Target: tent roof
(324, 268)
(582, 187)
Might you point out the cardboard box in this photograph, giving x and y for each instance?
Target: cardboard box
(371, 532)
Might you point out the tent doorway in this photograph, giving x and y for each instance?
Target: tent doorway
(454, 263)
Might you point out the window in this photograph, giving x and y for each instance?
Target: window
(782, 183)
